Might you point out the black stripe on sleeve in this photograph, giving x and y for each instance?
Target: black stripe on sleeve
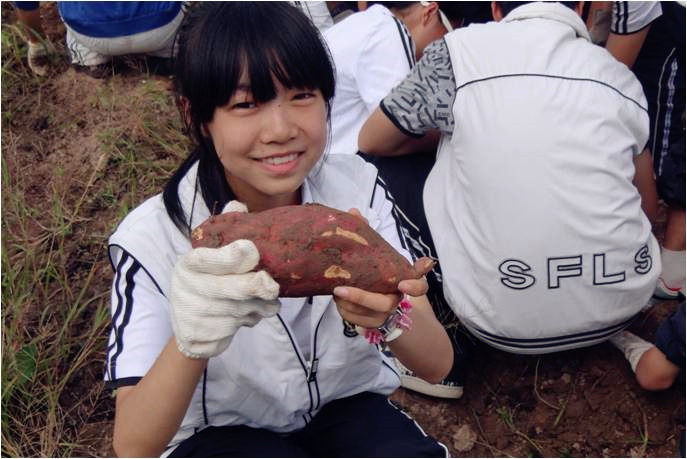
(620, 21)
(625, 16)
(157, 286)
(205, 406)
(119, 269)
(406, 41)
(122, 382)
(118, 309)
(396, 123)
(374, 193)
(394, 211)
(123, 308)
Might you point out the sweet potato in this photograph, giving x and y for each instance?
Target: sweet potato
(310, 249)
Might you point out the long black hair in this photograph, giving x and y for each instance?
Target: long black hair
(216, 42)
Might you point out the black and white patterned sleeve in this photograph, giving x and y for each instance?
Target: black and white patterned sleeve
(424, 99)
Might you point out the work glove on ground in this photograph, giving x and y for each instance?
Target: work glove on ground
(214, 293)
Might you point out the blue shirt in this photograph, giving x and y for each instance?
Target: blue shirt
(112, 19)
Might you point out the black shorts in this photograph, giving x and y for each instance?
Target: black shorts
(362, 425)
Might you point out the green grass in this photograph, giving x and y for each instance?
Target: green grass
(55, 271)
(52, 325)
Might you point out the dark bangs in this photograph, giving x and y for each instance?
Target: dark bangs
(267, 39)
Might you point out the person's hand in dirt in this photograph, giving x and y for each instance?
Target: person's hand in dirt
(656, 366)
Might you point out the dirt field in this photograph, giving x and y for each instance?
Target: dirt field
(82, 152)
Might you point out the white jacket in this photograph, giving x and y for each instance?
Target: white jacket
(372, 52)
(538, 226)
(264, 379)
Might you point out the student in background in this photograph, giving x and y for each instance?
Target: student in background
(317, 12)
(535, 211)
(649, 37)
(96, 32)
(373, 50)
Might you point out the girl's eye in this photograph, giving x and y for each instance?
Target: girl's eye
(244, 105)
(303, 95)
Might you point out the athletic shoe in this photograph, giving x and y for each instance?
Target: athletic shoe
(452, 386)
(664, 292)
(98, 71)
(447, 388)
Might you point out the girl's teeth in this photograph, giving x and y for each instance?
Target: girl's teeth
(281, 159)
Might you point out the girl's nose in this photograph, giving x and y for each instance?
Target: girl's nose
(278, 126)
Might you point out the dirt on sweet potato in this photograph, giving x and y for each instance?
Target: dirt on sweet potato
(310, 249)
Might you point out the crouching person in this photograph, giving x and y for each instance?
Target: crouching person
(206, 358)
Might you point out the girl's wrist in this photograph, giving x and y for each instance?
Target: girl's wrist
(393, 327)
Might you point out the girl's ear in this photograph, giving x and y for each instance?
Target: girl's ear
(185, 109)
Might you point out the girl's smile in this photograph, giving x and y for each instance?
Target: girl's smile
(281, 163)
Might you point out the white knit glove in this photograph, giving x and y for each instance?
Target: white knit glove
(632, 346)
(214, 293)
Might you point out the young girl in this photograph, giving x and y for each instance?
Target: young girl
(206, 360)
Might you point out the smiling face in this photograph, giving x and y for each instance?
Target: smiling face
(268, 148)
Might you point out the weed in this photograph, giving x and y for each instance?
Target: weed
(507, 416)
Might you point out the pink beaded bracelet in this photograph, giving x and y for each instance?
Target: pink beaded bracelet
(394, 325)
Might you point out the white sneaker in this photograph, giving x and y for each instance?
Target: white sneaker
(665, 292)
(447, 388)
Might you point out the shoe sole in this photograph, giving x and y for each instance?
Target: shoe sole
(663, 292)
(435, 390)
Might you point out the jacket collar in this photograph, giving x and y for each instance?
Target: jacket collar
(553, 11)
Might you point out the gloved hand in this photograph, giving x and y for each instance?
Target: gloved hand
(214, 293)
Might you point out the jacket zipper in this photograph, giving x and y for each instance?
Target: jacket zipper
(313, 364)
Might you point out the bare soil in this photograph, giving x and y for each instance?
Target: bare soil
(582, 403)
